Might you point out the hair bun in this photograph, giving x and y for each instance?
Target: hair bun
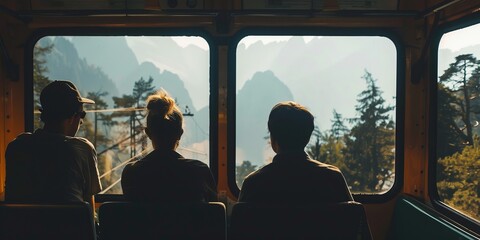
(160, 104)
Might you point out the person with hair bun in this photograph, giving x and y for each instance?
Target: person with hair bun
(165, 175)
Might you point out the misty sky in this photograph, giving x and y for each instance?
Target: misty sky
(454, 41)
(323, 73)
(461, 38)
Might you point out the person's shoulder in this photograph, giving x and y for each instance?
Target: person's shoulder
(131, 166)
(23, 137)
(20, 140)
(194, 165)
(195, 162)
(261, 172)
(325, 166)
(79, 142)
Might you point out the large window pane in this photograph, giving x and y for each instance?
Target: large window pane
(348, 83)
(119, 73)
(458, 116)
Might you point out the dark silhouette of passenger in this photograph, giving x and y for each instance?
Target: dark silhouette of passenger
(165, 175)
(292, 176)
(51, 165)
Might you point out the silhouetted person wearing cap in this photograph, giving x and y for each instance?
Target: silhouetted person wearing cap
(292, 176)
(51, 165)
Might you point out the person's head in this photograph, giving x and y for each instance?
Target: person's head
(164, 121)
(62, 106)
(290, 125)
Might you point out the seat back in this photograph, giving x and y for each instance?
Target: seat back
(127, 220)
(40, 221)
(414, 220)
(332, 221)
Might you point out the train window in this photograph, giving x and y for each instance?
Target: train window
(349, 83)
(119, 72)
(458, 117)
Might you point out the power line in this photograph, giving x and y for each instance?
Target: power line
(199, 127)
(125, 163)
(129, 109)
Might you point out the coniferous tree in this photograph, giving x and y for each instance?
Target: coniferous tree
(134, 104)
(106, 158)
(98, 138)
(458, 148)
(40, 80)
(338, 127)
(319, 149)
(370, 145)
(459, 80)
(89, 128)
(313, 150)
(329, 146)
(450, 137)
(333, 149)
(142, 89)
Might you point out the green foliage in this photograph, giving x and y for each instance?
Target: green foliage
(458, 153)
(370, 144)
(132, 118)
(99, 139)
(338, 127)
(243, 170)
(40, 80)
(459, 80)
(89, 128)
(313, 150)
(142, 89)
(329, 146)
(39, 68)
(458, 180)
(366, 152)
(332, 152)
(450, 138)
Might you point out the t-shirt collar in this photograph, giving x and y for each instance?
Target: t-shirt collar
(290, 156)
(169, 154)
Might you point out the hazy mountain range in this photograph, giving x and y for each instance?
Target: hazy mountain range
(266, 74)
(63, 62)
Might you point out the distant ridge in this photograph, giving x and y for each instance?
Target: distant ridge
(64, 63)
(254, 103)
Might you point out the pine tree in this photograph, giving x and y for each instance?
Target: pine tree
(333, 149)
(458, 148)
(370, 145)
(40, 80)
(450, 137)
(338, 127)
(98, 139)
(329, 146)
(460, 80)
(313, 150)
(134, 104)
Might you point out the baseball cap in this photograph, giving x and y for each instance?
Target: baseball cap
(61, 96)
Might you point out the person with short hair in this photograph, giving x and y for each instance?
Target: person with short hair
(164, 175)
(51, 165)
(293, 176)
